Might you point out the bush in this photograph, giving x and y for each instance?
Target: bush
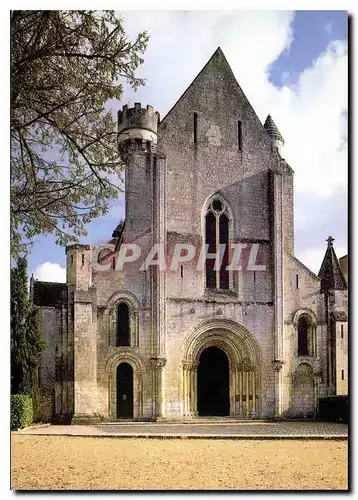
(333, 409)
(21, 411)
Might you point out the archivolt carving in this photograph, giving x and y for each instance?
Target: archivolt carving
(299, 313)
(244, 358)
(123, 296)
(234, 339)
(124, 357)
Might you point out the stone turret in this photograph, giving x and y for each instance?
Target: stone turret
(137, 127)
(79, 266)
(331, 274)
(274, 133)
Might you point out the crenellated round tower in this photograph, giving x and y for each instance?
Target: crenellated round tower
(138, 127)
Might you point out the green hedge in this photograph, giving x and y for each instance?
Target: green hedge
(21, 411)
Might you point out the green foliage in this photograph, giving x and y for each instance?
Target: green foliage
(21, 411)
(66, 66)
(27, 341)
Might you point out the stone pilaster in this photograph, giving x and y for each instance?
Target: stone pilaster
(159, 237)
(277, 252)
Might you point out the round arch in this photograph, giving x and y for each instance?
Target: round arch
(301, 312)
(234, 339)
(133, 304)
(244, 358)
(123, 296)
(139, 370)
(308, 343)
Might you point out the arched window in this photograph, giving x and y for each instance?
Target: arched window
(217, 233)
(303, 336)
(123, 330)
(306, 336)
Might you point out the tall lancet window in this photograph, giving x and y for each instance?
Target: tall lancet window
(217, 223)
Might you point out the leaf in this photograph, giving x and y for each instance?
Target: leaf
(66, 66)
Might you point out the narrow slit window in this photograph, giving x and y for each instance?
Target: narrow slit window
(342, 374)
(297, 281)
(239, 134)
(303, 334)
(123, 331)
(254, 276)
(114, 263)
(83, 259)
(71, 260)
(342, 331)
(195, 128)
(181, 271)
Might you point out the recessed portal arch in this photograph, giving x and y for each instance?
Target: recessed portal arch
(213, 383)
(242, 352)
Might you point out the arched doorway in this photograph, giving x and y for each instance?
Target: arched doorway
(213, 383)
(124, 391)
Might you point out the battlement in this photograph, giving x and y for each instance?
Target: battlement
(138, 123)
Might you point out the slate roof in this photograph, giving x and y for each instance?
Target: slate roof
(331, 273)
(47, 294)
(272, 130)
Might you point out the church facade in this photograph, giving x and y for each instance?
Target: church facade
(257, 341)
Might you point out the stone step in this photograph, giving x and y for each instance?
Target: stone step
(191, 421)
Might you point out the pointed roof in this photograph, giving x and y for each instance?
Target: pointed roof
(223, 72)
(331, 274)
(272, 130)
(218, 55)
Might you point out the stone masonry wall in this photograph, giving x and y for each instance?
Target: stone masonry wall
(46, 406)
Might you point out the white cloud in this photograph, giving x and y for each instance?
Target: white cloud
(309, 114)
(328, 27)
(50, 271)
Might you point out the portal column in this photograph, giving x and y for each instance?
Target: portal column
(190, 388)
(277, 366)
(157, 370)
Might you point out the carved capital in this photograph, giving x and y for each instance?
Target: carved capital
(245, 366)
(158, 362)
(318, 376)
(190, 365)
(277, 365)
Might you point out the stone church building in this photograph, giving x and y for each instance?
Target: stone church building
(174, 345)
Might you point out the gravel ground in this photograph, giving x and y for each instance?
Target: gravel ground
(90, 463)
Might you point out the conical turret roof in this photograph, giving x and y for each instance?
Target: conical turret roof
(272, 130)
(331, 274)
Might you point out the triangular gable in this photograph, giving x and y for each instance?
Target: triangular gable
(217, 78)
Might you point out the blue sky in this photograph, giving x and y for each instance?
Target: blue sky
(291, 65)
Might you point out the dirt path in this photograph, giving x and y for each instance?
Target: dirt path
(67, 463)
